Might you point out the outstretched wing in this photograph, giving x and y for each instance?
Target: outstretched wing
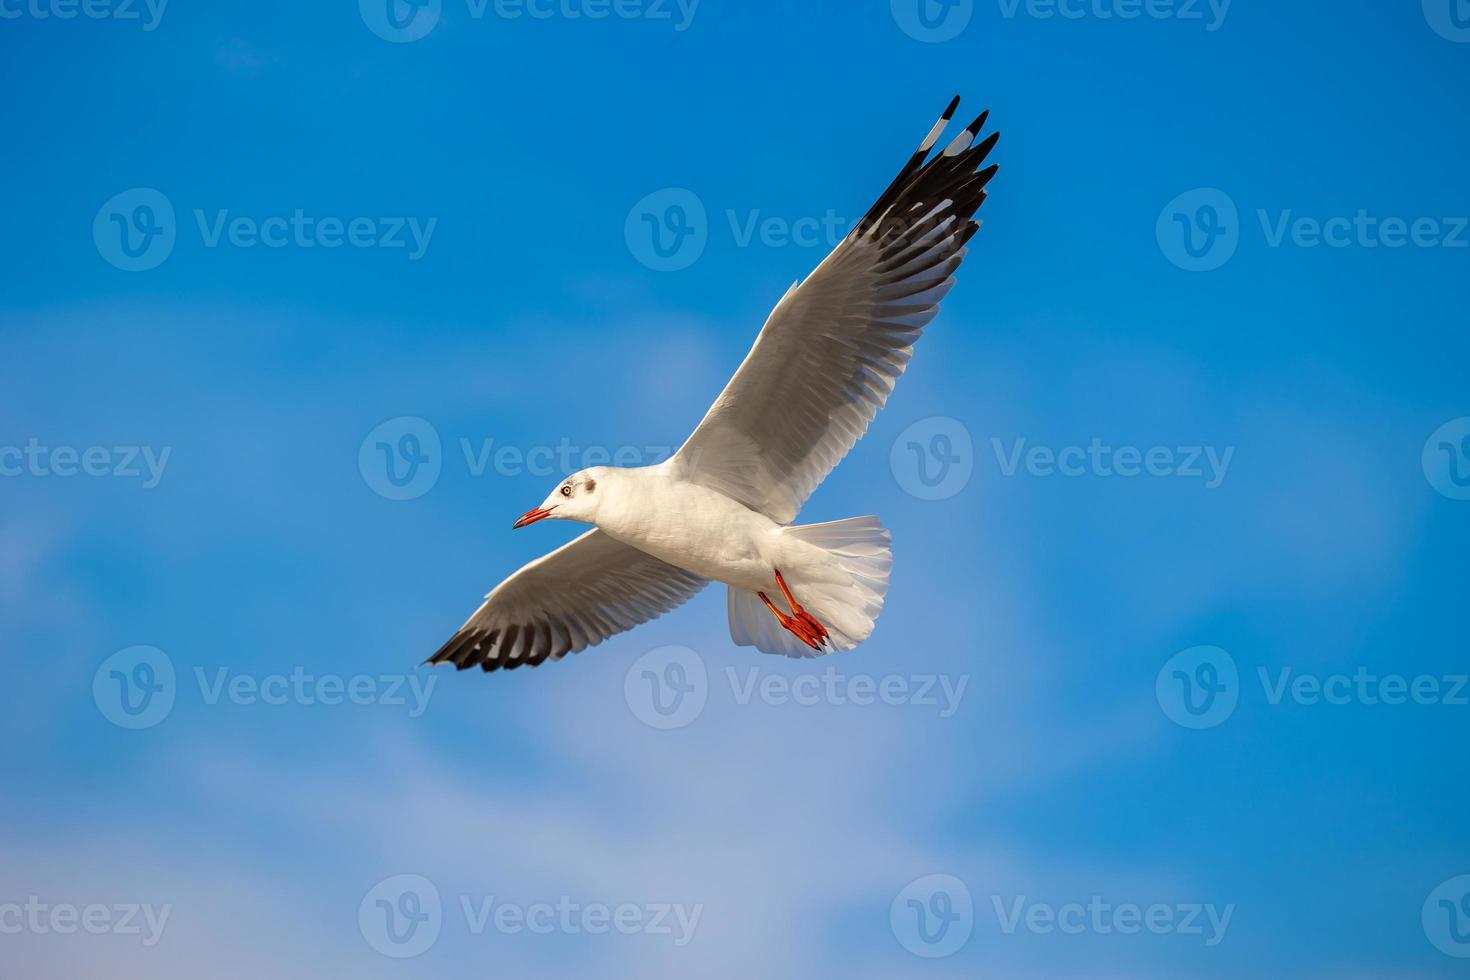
(575, 597)
(832, 349)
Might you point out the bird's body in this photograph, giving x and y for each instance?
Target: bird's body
(722, 508)
(698, 529)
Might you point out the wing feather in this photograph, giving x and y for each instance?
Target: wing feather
(577, 596)
(831, 351)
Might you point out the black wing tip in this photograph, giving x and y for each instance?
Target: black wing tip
(482, 648)
(975, 124)
(936, 131)
(464, 649)
(945, 174)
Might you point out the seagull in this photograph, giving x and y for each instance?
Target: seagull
(722, 508)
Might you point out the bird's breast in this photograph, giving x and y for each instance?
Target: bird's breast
(696, 529)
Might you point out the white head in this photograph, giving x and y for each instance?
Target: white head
(575, 498)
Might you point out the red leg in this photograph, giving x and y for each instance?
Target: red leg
(797, 610)
(796, 626)
(801, 623)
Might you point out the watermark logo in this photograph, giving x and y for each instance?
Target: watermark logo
(1446, 459)
(401, 916)
(933, 916)
(135, 687)
(135, 230)
(400, 21)
(667, 230)
(667, 688)
(932, 21)
(401, 459)
(1199, 230)
(934, 458)
(1449, 18)
(1198, 687)
(1446, 917)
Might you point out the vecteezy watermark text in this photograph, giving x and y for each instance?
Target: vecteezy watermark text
(95, 918)
(405, 21)
(1210, 13)
(402, 916)
(36, 459)
(136, 230)
(570, 917)
(137, 687)
(299, 687)
(1200, 688)
(1362, 230)
(668, 688)
(934, 21)
(934, 458)
(302, 230)
(403, 457)
(1098, 459)
(1102, 918)
(939, 691)
(934, 916)
(669, 229)
(1200, 230)
(1364, 687)
(560, 459)
(148, 13)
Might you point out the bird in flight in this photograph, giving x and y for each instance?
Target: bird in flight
(721, 508)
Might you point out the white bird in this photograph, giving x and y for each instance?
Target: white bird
(722, 507)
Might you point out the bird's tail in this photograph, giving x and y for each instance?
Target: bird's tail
(860, 549)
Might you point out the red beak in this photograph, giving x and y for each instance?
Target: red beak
(532, 516)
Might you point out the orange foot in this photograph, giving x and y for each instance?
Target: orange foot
(800, 622)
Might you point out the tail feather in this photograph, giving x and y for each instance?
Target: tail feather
(859, 549)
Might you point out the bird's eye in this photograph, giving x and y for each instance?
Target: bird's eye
(566, 491)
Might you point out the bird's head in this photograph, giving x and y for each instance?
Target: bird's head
(573, 499)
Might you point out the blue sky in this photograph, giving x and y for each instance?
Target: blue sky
(1162, 691)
